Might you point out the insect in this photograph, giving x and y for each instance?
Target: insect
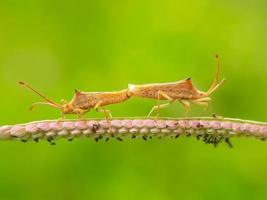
(82, 102)
(183, 91)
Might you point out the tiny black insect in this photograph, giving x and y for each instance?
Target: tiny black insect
(228, 142)
(50, 140)
(119, 139)
(177, 136)
(36, 140)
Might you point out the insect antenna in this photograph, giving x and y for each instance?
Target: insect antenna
(42, 103)
(215, 85)
(49, 101)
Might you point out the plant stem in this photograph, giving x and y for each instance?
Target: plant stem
(210, 130)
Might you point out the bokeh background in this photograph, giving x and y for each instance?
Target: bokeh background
(59, 46)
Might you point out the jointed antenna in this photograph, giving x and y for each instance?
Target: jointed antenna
(215, 83)
(41, 95)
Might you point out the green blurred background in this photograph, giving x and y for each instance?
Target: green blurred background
(58, 46)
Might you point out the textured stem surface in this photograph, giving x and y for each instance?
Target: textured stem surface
(210, 130)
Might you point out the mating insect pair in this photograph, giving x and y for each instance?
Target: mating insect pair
(182, 91)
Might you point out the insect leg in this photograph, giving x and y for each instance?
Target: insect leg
(163, 94)
(100, 108)
(62, 115)
(158, 107)
(80, 112)
(107, 114)
(105, 111)
(202, 102)
(186, 105)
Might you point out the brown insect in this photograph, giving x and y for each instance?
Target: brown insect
(182, 91)
(82, 102)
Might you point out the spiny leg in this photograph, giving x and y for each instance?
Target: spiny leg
(158, 107)
(186, 105)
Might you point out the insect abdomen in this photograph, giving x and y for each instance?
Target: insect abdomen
(143, 91)
(151, 91)
(113, 97)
